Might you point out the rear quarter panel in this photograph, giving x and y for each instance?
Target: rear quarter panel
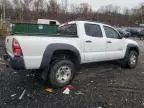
(33, 47)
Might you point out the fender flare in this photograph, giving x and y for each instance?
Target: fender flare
(129, 46)
(49, 51)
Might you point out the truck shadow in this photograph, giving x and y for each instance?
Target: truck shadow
(100, 65)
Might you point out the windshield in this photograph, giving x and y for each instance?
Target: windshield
(69, 29)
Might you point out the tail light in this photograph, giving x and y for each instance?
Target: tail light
(16, 48)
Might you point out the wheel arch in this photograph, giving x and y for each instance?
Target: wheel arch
(131, 47)
(55, 48)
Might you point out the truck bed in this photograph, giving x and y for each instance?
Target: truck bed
(34, 46)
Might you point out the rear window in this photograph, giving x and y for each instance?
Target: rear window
(70, 29)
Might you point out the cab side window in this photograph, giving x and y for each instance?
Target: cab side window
(93, 30)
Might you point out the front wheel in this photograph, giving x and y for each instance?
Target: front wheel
(131, 60)
(61, 73)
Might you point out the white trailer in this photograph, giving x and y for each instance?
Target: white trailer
(48, 21)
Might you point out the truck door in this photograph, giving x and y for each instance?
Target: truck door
(94, 42)
(115, 44)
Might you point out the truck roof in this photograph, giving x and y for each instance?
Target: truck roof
(92, 22)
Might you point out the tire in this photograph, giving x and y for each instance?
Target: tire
(130, 60)
(61, 73)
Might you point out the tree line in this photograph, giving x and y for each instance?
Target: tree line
(31, 10)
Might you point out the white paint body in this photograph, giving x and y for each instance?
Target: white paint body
(33, 47)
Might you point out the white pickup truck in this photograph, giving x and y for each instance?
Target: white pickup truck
(77, 42)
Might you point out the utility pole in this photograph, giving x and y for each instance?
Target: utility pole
(65, 4)
(4, 4)
(142, 15)
(82, 1)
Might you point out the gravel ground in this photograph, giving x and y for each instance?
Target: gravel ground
(97, 85)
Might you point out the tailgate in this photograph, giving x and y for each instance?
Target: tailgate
(8, 44)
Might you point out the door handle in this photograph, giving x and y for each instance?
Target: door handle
(109, 42)
(88, 41)
(7, 40)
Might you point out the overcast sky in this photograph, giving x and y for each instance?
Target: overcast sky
(95, 4)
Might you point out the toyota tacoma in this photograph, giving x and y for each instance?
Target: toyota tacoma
(77, 42)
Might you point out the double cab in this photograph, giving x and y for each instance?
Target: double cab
(57, 56)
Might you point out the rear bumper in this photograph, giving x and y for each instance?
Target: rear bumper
(15, 62)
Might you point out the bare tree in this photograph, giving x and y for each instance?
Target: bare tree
(31, 10)
(53, 9)
(38, 5)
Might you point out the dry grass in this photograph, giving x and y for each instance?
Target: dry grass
(4, 31)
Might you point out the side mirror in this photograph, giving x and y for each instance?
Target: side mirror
(126, 35)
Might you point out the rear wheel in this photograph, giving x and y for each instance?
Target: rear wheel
(61, 73)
